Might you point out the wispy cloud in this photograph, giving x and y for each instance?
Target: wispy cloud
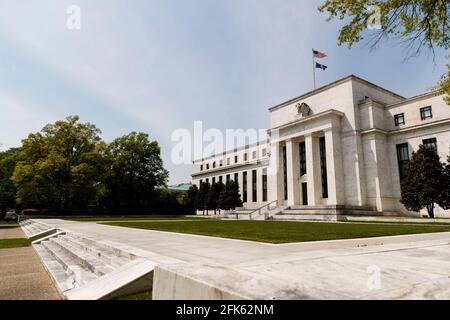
(159, 65)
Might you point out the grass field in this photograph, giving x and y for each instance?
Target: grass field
(123, 218)
(284, 231)
(7, 222)
(14, 243)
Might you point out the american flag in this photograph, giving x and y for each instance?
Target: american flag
(318, 54)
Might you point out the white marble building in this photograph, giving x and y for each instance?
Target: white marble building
(345, 143)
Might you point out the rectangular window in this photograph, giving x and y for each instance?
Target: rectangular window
(432, 143)
(207, 166)
(201, 181)
(302, 149)
(220, 179)
(207, 181)
(399, 119)
(254, 154)
(264, 152)
(236, 177)
(254, 186)
(228, 161)
(403, 159)
(323, 167)
(214, 180)
(285, 174)
(201, 167)
(228, 178)
(235, 159)
(214, 164)
(426, 113)
(245, 157)
(244, 186)
(264, 180)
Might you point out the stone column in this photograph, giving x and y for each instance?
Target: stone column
(293, 172)
(259, 184)
(275, 174)
(335, 174)
(250, 186)
(313, 169)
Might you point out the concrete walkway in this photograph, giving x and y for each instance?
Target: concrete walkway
(398, 267)
(22, 276)
(11, 232)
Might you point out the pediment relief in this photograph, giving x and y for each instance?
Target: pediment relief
(303, 110)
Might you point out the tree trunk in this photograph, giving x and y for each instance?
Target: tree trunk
(430, 209)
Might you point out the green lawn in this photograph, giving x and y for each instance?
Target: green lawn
(14, 243)
(123, 218)
(7, 222)
(284, 231)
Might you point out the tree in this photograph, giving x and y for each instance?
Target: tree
(59, 166)
(8, 161)
(424, 181)
(214, 195)
(230, 198)
(190, 201)
(135, 169)
(444, 199)
(202, 196)
(417, 24)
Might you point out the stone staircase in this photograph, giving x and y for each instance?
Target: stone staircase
(265, 212)
(325, 213)
(32, 228)
(88, 269)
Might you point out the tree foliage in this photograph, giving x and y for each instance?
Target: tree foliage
(214, 195)
(8, 161)
(444, 199)
(190, 201)
(417, 24)
(422, 186)
(202, 196)
(135, 169)
(230, 198)
(67, 167)
(59, 166)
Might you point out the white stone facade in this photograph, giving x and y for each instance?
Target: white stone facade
(350, 145)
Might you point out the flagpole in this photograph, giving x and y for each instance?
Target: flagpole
(314, 68)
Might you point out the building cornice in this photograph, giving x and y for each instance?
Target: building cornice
(321, 115)
(421, 126)
(415, 98)
(233, 167)
(332, 85)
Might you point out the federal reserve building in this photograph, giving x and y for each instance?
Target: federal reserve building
(339, 150)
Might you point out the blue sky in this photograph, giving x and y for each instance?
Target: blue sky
(158, 65)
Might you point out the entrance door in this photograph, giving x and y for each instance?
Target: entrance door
(304, 193)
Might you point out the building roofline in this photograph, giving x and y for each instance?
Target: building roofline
(419, 97)
(247, 146)
(331, 85)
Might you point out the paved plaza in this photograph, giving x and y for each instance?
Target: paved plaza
(398, 267)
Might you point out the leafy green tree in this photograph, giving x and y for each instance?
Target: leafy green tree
(135, 169)
(230, 198)
(202, 196)
(190, 201)
(444, 199)
(8, 161)
(59, 166)
(214, 195)
(417, 24)
(423, 184)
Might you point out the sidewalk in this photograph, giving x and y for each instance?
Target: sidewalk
(22, 276)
